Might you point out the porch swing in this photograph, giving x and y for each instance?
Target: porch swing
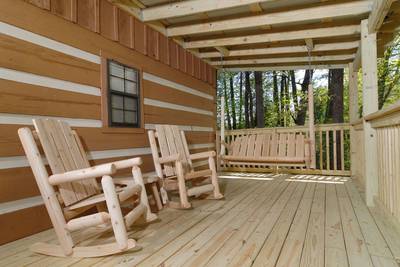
(260, 148)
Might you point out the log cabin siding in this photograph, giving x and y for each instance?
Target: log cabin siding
(50, 60)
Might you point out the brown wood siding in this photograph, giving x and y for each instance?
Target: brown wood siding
(23, 56)
(97, 27)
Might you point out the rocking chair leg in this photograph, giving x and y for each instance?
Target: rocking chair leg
(214, 178)
(114, 210)
(137, 176)
(182, 186)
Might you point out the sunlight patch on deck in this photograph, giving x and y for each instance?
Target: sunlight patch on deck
(318, 179)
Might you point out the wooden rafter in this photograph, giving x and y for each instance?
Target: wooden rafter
(302, 15)
(282, 60)
(288, 67)
(279, 36)
(378, 14)
(284, 50)
(192, 7)
(222, 51)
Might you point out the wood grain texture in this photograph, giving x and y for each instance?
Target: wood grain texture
(163, 93)
(20, 98)
(168, 116)
(88, 14)
(27, 57)
(13, 225)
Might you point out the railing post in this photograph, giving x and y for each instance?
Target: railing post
(370, 105)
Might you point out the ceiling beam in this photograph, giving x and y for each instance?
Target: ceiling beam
(192, 7)
(282, 60)
(378, 14)
(284, 50)
(294, 67)
(295, 16)
(277, 37)
(222, 51)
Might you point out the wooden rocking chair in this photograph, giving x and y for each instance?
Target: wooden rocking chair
(72, 189)
(175, 167)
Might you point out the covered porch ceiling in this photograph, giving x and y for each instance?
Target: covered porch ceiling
(270, 34)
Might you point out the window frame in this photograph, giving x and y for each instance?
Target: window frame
(106, 99)
(111, 92)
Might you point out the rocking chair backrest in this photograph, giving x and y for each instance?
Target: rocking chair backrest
(64, 152)
(171, 141)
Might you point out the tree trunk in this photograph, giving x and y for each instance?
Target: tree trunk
(240, 99)
(251, 107)
(294, 90)
(335, 96)
(259, 99)
(275, 96)
(335, 107)
(227, 104)
(233, 102)
(246, 99)
(282, 100)
(301, 114)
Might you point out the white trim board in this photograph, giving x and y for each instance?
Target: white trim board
(30, 78)
(20, 204)
(156, 79)
(21, 119)
(22, 161)
(37, 39)
(162, 104)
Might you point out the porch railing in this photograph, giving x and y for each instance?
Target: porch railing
(387, 126)
(332, 145)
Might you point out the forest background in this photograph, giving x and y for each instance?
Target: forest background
(279, 98)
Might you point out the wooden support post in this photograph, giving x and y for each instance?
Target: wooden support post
(222, 125)
(353, 112)
(137, 176)
(370, 105)
(311, 126)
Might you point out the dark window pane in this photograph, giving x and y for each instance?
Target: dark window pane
(116, 84)
(130, 117)
(117, 101)
(130, 74)
(116, 70)
(117, 116)
(130, 87)
(130, 103)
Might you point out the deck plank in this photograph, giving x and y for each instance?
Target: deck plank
(269, 252)
(277, 221)
(355, 244)
(293, 247)
(313, 254)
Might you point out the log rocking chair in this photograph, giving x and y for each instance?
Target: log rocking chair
(72, 189)
(175, 169)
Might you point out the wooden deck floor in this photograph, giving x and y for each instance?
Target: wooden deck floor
(265, 220)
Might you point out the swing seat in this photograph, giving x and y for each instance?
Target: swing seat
(269, 149)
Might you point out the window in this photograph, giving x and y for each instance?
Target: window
(123, 95)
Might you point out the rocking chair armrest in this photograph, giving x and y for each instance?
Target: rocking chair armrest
(127, 163)
(203, 155)
(170, 158)
(81, 174)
